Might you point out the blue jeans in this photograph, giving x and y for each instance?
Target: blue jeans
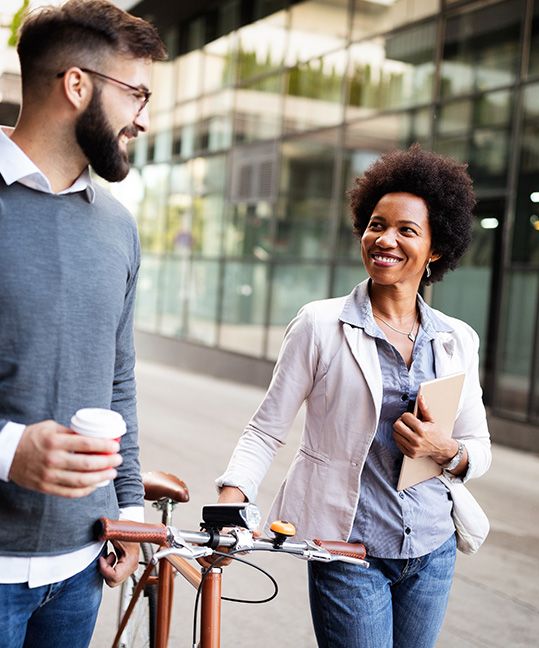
(392, 604)
(61, 615)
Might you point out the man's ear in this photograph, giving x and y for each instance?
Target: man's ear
(77, 88)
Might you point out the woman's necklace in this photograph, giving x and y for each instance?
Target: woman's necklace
(410, 335)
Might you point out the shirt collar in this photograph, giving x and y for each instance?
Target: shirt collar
(16, 166)
(357, 311)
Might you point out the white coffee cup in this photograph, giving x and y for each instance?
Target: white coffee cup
(100, 424)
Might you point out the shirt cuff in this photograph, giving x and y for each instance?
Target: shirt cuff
(133, 513)
(10, 436)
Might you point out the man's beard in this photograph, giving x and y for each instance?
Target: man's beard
(99, 143)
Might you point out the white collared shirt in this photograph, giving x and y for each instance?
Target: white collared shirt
(16, 166)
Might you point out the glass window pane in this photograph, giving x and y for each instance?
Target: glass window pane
(189, 75)
(465, 292)
(219, 62)
(316, 27)
(346, 277)
(481, 48)
(513, 377)
(201, 320)
(526, 224)
(292, 287)
(147, 293)
(261, 46)
(244, 307)
(184, 134)
(314, 93)
(153, 209)
(258, 110)
(208, 176)
(534, 45)
(305, 199)
(174, 295)
(477, 132)
(372, 17)
(163, 85)
(396, 71)
(215, 127)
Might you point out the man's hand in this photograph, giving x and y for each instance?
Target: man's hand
(421, 437)
(51, 459)
(116, 567)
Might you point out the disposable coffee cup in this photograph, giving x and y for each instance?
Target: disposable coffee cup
(99, 424)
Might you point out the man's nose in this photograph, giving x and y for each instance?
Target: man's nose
(142, 120)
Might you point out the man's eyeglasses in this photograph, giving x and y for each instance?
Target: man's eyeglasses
(141, 94)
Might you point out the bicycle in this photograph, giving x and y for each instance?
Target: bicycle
(155, 582)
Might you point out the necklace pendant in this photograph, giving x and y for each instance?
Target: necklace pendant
(411, 337)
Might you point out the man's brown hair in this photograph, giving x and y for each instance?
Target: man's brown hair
(82, 33)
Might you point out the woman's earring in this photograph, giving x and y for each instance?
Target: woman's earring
(427, 269)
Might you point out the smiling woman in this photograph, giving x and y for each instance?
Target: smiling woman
(357, 362)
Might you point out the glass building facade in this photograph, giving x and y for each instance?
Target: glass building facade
(263, 117)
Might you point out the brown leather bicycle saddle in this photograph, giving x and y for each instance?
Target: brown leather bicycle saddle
(159, 484)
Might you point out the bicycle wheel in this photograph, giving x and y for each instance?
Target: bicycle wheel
(140, 629)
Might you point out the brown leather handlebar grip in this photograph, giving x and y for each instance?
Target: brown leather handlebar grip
(131, 531)
(339, 548)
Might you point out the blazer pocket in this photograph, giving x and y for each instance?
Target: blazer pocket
(313, 455)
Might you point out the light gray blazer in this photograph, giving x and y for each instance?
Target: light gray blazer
(333, 365)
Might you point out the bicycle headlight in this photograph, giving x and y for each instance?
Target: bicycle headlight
(217, 516)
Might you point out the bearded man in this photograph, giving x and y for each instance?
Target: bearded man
(69, 257)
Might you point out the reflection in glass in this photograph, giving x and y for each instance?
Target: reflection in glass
(481, 48)
(208, 179)
(258, 110)
(147, 293)
(244, 307)
(219, 61)
(346, 277)
(215, 127)
(474, 272)
(153, 209)
(477, 131)
(375, 16)
(293, 286)
(201, 321)
(184, 133)
(517, 343)
(526, 227)
(316, 27)
(174, 295)
(261, 46)
(188, 75)
(396, 71)
(534, 44)
(314, 93)
(305, 200)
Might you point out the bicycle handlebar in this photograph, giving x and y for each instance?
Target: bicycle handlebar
(240, 539)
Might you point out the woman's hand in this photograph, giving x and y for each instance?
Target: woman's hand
(421, 437)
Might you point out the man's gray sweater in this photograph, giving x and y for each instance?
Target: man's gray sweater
(68, 272)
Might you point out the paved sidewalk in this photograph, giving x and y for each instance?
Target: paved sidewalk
(189, 426)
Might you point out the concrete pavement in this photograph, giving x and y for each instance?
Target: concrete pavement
(189, 426)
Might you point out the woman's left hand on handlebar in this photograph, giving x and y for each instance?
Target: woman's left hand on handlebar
(421, 437)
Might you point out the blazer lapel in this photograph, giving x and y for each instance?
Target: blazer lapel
(364, 351)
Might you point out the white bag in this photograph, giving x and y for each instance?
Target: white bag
(471, 523)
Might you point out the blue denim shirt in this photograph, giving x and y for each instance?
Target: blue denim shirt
(416, 521)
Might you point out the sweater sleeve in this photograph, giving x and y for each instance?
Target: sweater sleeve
(128, 483)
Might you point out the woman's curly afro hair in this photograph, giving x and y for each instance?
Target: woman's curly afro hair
(444, 185)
